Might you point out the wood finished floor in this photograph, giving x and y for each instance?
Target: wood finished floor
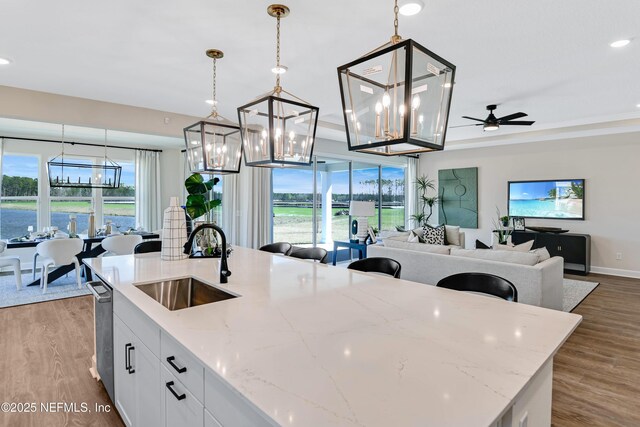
(596, 375)
(45, 352)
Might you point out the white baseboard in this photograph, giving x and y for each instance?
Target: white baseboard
(616, 272)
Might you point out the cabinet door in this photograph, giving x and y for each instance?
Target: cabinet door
(124, 381)
(147, 386)
(209, 420)
(549, 241)
(180, 407)
(573, 249)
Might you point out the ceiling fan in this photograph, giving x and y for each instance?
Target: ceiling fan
(494, 123)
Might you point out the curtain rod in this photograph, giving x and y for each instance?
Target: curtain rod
(79, 143)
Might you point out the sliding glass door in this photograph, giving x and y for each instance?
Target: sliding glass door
(311, 204)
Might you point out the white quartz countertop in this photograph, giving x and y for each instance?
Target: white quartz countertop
(318, 345)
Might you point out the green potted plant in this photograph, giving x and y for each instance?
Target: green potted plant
(200, 203)
(424, 184)
(501, 229)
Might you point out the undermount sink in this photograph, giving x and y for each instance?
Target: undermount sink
(182, 293)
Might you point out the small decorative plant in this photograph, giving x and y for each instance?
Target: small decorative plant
(501, 229)
(200, 202)
(424, 184)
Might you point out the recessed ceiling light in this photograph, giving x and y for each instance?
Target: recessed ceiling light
(620, 43)
(410, 7)
(638, 105)
(5, 61)
(279, 69)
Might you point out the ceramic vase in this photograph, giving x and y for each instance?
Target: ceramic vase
(174, 232)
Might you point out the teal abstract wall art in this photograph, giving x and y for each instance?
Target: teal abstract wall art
(458, 197)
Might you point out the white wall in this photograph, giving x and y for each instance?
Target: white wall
(610, 165)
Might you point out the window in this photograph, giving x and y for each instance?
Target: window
(19, 203)
(392, 186)
(119, 204)
(293, 205)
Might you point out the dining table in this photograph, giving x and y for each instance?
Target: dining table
(90, 249)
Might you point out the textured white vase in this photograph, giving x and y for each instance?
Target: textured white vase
(174, 232)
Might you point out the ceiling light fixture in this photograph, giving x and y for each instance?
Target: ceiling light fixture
(410, 7)
(83, 175)
(398, 97)
(279, 69)
(278, 129)
(491, 127)
(620, 43)
(213, 144)
(5, 61)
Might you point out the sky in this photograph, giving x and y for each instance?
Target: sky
(27, 166)
(534, 190)
(301, 180)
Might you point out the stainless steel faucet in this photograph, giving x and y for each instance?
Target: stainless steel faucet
(224, 268)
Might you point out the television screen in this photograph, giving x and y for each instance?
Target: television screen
(554, 199)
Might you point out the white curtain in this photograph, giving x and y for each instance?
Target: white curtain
(246, 207)
(148, 206)
(410, 191)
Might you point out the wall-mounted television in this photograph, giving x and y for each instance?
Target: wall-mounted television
(551, 199)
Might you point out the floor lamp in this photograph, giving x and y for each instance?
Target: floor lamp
(361, 211)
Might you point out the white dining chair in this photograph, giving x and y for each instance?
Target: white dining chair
(59, 252)
(121, 245)
(11, 261)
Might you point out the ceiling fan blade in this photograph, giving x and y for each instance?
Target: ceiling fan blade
(512, 117)
(473, 118)
(520, 123)
(464, 126)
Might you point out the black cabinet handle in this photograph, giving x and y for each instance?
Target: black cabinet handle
(128, 349)
(170, 360)
(126, 356)
(178, 396)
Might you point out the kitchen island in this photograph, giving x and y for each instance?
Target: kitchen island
(306, 344)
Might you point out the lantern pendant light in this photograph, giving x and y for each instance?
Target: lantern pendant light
(396, 99)
(213, 144)
(278, 128)
(79, 174)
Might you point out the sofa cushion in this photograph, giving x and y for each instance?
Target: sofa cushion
(522, 247)
(434, 235)
(415, 237)
(452, 235)
(543, 254)
(397, 243)
(513, 257)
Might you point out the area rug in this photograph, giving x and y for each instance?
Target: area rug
(64, 287)
(575, 291)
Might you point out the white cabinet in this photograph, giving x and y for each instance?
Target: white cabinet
(136, 378)
(179, 406)
(209, 420)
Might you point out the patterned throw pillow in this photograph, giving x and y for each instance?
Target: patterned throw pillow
(434, 235)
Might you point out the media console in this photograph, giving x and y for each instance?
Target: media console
(574, 248)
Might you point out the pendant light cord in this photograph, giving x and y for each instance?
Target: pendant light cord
(105, 146)
(278, 88)
(62, 142)
(395, 19)
(214, 108)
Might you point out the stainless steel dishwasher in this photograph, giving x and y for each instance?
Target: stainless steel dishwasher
(104, 332)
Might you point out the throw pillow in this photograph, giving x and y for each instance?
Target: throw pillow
(522, 247)
(418, 235)
(452, 235)
(543, 254)
(480, 245)
(434, 235)
(413, 238)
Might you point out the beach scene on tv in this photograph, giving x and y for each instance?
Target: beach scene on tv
(547, 199)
